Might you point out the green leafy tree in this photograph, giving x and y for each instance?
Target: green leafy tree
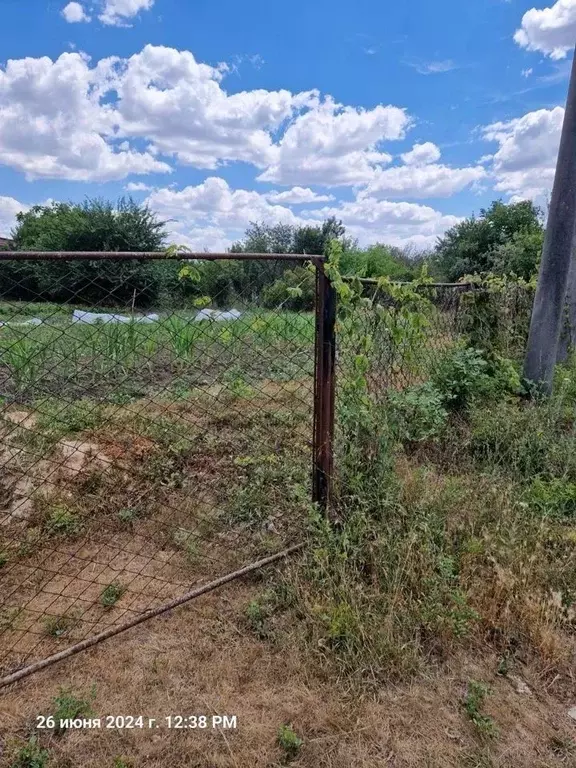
(254, 280)
(94, 225)
(504, 238)
(379, 260)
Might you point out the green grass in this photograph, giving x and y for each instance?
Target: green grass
(67, 705)
(31, 755)
(64, 357)
(111, 594)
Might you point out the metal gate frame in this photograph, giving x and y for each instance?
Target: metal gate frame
(323, 413)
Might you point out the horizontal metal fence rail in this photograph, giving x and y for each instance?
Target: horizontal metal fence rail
(151, 256)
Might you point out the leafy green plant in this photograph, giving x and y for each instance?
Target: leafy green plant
(56, 626)
(289, 742)
(122, 762)
(461, 377)
(473, 702)
(31, 755)
(62, 521)
(111, 594)
(295, 290)
(418, 413)
(128, 515)
(67, 706)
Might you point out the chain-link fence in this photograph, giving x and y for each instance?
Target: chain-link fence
(405, 331)
(167, 423)
(157, 421)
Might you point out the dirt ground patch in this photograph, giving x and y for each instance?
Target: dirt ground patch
(204, 659)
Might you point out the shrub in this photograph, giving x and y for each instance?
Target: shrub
(418, 413)
(295, 290)
(462, 377)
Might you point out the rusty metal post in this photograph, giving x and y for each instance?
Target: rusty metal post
(324, 388)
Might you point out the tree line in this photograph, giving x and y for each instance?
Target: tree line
(503, 239)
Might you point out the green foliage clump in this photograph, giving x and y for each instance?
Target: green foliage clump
(555, 497)
(380, 260)
(111, 594)
(31, 755)
(68, 706)
(94, 225)
(461, 377)
(57, 626)
(289, 741)
(295, 291)
(62, 521)
(504, 238)
(418, 413)
(523, 439)
(473, 703)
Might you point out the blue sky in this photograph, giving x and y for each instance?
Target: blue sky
(396, 117)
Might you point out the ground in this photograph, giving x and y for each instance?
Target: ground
(138, 461)
(205, 659)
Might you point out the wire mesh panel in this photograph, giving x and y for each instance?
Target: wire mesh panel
(156, 425)
(406, 331)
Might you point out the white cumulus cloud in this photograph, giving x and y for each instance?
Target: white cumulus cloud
(421, 154)
(212, 215)
(168, 97)
(421, 176)
(396, 223)
(53, 123)
(297, 196)
(214, 207)
(549, 30)
(119, 12)
(335, 145)
(74, 13)
(9, 207)
(524, 164)
(137, 186)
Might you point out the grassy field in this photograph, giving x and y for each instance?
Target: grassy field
(431, 623)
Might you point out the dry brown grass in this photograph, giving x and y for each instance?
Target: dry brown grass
(204, 659)
(174, 465)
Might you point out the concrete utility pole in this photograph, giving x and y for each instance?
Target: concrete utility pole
(567, 340)
(548, 308)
